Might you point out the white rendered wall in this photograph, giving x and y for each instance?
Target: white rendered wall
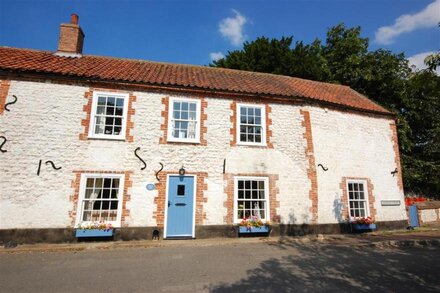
(45, 124)
(351, 145)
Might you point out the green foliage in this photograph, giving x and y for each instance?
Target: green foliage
(381, 75)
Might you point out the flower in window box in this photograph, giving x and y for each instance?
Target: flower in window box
(252, 222)
(95, 225)
(361, 220)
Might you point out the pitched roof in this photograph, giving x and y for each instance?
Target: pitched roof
(195, 77)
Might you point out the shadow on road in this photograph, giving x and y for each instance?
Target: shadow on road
(342, 268)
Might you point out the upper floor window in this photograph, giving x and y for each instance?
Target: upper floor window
(357, 198)
(184, 120)
(251, 122)
(109, 115)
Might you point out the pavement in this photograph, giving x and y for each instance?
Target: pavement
(419, 237)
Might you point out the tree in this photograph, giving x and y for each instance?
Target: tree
(381, 75)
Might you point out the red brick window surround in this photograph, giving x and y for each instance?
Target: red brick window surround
(117, 123)
(4, 90)
(200, 200)
(229, 188)
(79, 185)
(167, 114)
(370, 195)
(266, 123)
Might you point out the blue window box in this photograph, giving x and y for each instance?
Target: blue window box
(262, 229)
(93, 233)
(364, 226)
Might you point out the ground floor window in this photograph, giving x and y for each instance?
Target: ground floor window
(357, 198)
(101, 198)
(251, 198)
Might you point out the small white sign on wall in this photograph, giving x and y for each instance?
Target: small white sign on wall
(390, 203)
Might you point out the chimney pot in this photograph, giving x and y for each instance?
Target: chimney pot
(74, 18)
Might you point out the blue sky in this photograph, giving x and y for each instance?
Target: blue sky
(194, 32)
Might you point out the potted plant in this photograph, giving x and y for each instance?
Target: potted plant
(362, 223)
(253, 225)
(94, 229)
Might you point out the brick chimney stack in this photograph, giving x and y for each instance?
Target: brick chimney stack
(71, 37)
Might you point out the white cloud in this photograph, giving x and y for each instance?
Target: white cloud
(418, 60)
(216, 56)
(232, 28)
(428, 17)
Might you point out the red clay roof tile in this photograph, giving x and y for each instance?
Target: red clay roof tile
(167, 74)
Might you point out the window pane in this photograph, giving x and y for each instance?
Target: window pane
(119, 111)
(111, 101)
(242, 111)
(117, 130)
(100, 110)
(101, 100)
(120, 102)
(105, 204)
(184, 106)
(107, 182)
(114, 205)
(240, 184)
(257, 138)
(176, 106)
(110, 110)
(350, 186)
(192, 107)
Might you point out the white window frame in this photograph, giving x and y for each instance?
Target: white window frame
(121, 135)
(263, 125)
(266, 194)
(170, 136)
(82, 191)
(367, 204)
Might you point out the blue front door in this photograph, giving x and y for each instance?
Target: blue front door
(180, 204)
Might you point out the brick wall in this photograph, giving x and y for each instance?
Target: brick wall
(311, 170)
(76, 183)
(4, 89)
(274, 203)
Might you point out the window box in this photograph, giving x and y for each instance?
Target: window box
(247, 230)
(360, 227)
(93, 233)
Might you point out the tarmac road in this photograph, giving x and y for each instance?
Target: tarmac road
(235, 267)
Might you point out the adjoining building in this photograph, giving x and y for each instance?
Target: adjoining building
(91, 138)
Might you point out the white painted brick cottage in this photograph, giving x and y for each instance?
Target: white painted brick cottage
(305, 155)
